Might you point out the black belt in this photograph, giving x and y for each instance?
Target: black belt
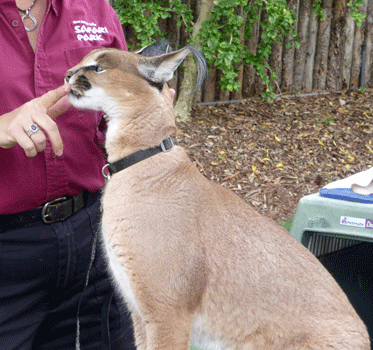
(56, 210)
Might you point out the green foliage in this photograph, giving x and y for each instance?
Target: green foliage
(222, 47)
(144, 16)
(221, 35)
(355, 14)
(328, 120)
(317, 8)
(287, 224)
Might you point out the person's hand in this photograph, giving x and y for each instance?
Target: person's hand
(40, 112)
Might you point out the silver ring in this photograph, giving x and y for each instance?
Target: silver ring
(32, 130)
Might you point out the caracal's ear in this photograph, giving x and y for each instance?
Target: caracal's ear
(160, 69)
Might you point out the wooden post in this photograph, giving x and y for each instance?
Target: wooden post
(322, 50)
(310, 53)
(368, 43)
(347, 51)
(249, 73)
(357, 50)
(288, 56)
(334, 74)
(300, 54)
(184, 102)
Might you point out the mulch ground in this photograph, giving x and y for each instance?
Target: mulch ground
(272, 154)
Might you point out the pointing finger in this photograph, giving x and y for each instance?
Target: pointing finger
(60, 107)
(52, 97)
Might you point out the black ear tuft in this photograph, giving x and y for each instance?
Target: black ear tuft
(158, 48)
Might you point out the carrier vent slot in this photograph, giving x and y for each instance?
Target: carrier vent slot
(320, 245)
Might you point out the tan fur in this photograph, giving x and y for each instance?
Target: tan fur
(194, 254)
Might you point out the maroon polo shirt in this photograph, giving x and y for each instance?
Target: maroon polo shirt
(70, 29)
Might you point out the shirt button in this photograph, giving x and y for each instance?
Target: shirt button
(15, 23)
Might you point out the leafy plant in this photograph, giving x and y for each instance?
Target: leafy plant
(317, 8)
(328, 120)
(221, 36)
(222, 47)
(144, 17)
(355, 14)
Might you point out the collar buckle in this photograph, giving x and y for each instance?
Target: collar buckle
(167, 144)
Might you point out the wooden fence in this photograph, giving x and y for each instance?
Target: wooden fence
(334, 54)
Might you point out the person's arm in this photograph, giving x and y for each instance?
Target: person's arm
(39, 111)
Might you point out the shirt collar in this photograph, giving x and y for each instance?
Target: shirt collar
(56, 6)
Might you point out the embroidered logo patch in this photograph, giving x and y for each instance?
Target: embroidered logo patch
(89, 31)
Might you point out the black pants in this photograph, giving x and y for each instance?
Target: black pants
(42, 274)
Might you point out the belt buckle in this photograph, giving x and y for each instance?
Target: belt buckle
(44, 214)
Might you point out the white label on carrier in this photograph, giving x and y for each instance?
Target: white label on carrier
(355, 222)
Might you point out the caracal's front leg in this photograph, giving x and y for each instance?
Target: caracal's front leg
(169, 333)
(139, 331)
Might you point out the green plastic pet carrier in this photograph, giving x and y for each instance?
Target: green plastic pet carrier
(339, 232)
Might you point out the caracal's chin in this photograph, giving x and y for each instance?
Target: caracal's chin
(92, 99)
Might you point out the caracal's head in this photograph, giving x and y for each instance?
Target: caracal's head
(113, 81)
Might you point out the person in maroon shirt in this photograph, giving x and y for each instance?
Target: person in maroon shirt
(51, 157)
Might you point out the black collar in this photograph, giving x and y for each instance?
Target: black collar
(166, 145)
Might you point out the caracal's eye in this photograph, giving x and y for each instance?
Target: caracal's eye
(99, 69)
(96, 68)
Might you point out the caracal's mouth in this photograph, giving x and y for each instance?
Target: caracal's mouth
(76, 93)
